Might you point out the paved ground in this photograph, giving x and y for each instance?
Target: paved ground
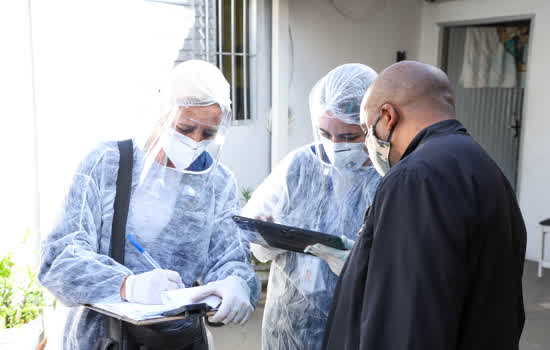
(536, 335)
(536, 293)
(247, 337)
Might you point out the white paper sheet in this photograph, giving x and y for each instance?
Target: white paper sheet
(171, 299)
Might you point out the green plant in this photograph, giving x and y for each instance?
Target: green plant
(246, 193)
(21, 296)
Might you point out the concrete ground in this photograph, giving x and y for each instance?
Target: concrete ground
(247, 337)
(536, 295)
(536, 334)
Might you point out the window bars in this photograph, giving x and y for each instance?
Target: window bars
(220, 36)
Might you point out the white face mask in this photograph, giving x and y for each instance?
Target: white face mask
(345, 156)
(379, 151)
(180, 149)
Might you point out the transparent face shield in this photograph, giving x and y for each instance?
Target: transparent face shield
(335, 103)
(176, 173)
(186, 143)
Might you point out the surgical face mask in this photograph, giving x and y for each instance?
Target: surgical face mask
(379, 151)
(345, 156)
(180, 149)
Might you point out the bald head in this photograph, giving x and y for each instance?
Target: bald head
(406, 97)
(413, 84)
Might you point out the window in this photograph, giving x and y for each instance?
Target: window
(220, 35)
(233, 57)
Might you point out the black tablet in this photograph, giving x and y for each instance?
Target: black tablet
(286, 237)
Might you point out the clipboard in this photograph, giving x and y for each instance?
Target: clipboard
(286, 237)
(182, 313)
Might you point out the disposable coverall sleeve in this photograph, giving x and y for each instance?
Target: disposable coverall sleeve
(229, 254)
(71, 267)
(270, 200)
(416, 274)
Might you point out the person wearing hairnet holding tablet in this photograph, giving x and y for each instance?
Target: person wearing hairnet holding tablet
(326, 187)
(181, 204)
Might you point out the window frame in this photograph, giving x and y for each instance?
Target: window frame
(247, 52)
(202, 43)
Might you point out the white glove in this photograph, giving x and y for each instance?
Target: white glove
(147, 287)
(335, 258)
(265, 254)
(235, 294)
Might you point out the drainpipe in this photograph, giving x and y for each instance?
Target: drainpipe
(279, 81)
(35, 229)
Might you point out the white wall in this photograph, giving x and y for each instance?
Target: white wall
(534, 158)
(16, 144)
(324, 38)
(99, 66)
(246, 152)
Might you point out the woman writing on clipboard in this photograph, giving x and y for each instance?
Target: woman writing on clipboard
(181, 203)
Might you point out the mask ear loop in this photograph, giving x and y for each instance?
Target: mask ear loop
(376, 122)
(391, 132)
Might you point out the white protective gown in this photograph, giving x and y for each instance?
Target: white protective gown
(194, 236)
(302, 192)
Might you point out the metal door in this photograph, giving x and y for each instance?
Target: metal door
(491, 115)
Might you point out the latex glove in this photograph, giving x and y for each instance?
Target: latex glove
(147, 287)
(262, 253)
(235, 294)
(265, 254)
(334, 257)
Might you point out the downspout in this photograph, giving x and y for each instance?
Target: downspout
(279, 81)
(35, 233)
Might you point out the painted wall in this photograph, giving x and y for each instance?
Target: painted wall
(246, 151)
(320, 39)
(324, 38)
(534, 158)
(16, 144)
(96, 83)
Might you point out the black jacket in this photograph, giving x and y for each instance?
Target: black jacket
(439, 259)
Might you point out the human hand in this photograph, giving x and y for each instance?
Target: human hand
(146, 288)
(265, 218)
(235, 294)
(261, 252)
(335, 258)
(265, 254)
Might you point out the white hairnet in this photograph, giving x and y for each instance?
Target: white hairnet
(191, 88)
(341, 92)
(198, 83)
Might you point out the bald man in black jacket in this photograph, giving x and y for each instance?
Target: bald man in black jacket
(438, 262)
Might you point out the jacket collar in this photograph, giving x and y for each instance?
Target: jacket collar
(445, 127)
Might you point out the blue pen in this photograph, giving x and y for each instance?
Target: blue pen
(143, 252)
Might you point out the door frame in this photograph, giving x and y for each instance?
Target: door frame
(442, 62)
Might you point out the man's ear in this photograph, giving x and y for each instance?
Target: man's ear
(391, 116)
